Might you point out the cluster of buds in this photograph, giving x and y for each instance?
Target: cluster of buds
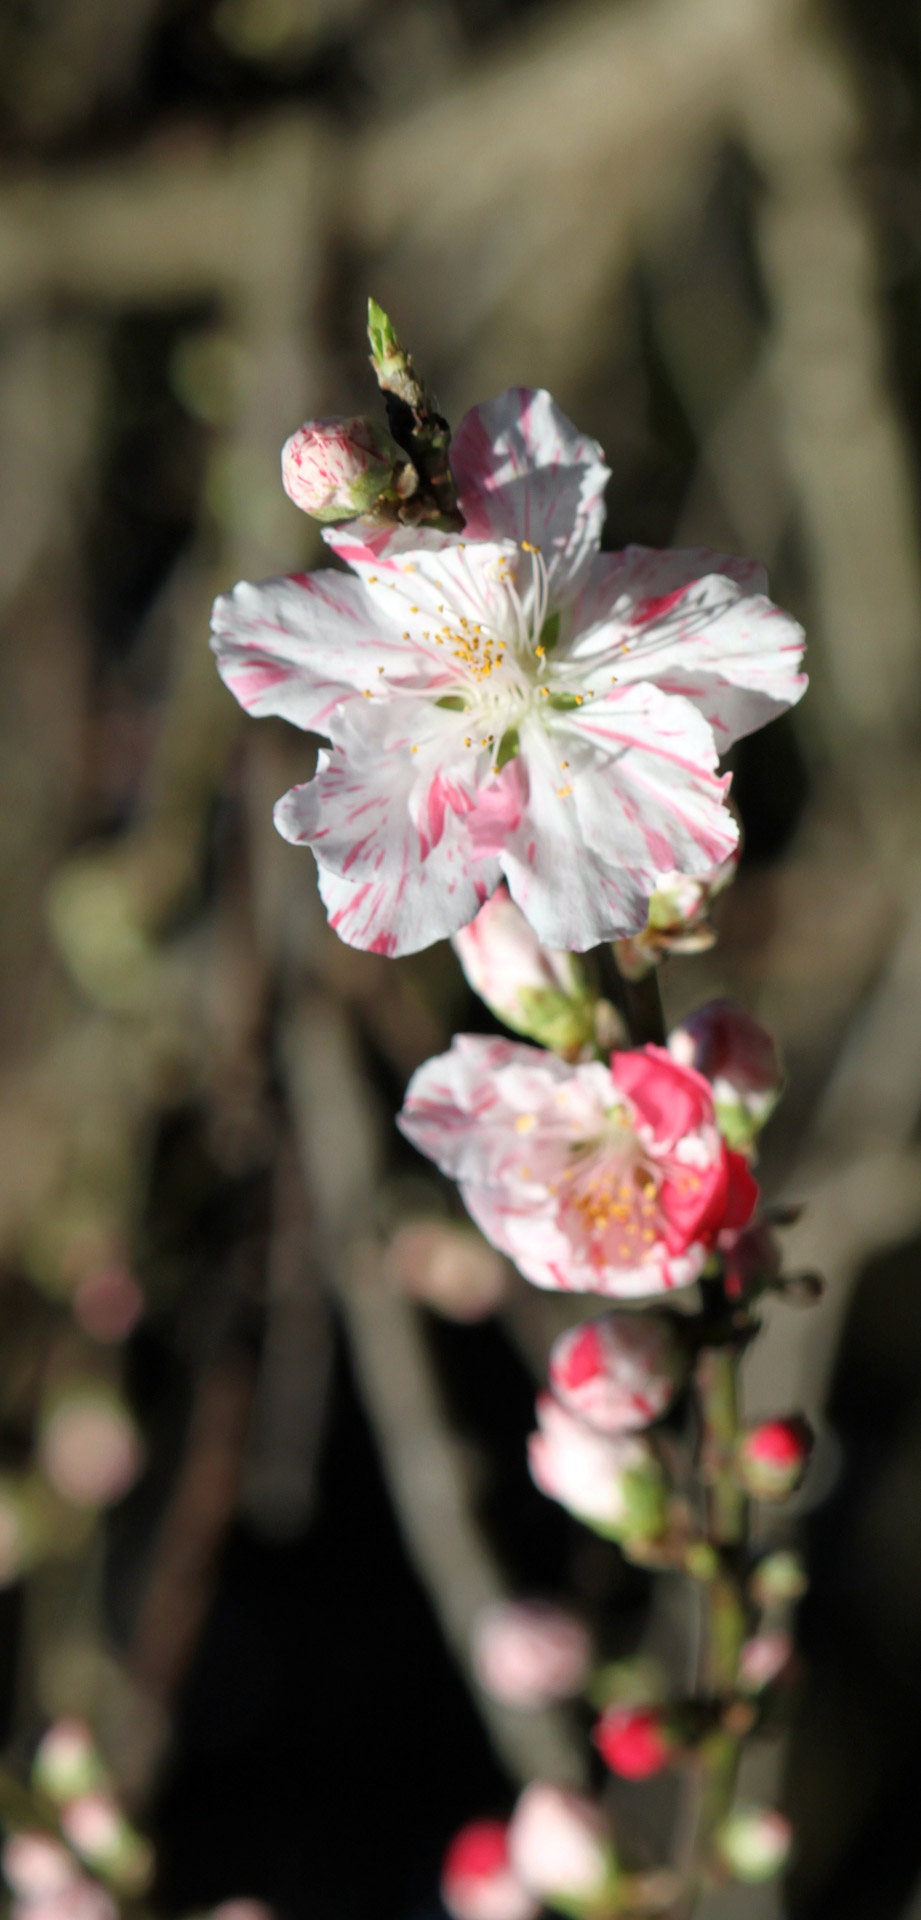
(555, 1851)
(93, 1857)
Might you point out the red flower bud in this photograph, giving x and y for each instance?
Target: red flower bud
(773, 1456)
(477, 1878)
(633, 1741)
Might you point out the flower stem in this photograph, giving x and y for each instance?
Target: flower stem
(640, 1001)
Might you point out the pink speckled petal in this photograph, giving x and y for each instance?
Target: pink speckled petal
(696, 623)
(309, 644)
(524, 472)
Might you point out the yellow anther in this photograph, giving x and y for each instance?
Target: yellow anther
(414, 749)
(372, 579)
(524, 1122)
(367, 693)
(563, 791)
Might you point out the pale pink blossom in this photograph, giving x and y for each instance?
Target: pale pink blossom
(764, 1657)
(537, 991)
(559, 1845)
(95, 1825)
(619, 1372)
(449, 1267)
(108, 1303)
(612, 1482)
(477, 1878)
(335, 469)
(510, 701)
(754, 1843)
(739, 1058)
(36, 1866)
(610, 1179)
(527, 1652)
(89, 1448)
(84, 1899)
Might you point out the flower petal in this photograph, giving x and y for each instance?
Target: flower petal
(388, 822)
(524, 472)
(619, 790)
(307, 645)
(697, 624)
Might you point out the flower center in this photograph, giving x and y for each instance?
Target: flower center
(611, 1194)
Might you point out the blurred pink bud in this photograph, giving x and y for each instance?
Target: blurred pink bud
(612, 1482)
(90, 1448)
(559, 1845)
(449, 1267)
(36, 1867)
(738, 1057)
(779, 1579)
(754, 1843)
(477, 1879)
(337, 469)
(108, 1302)
(773, 1456)
(533, 989)
(527, 1653)
(620, 1371)
(95, 1826)
(242, 1910)
(83, 1899)
(633, 1741)
(751, 1259)
(763, 1659)
(66, 1762)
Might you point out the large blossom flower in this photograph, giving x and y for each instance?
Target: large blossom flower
(510, 700)
(600, 1179)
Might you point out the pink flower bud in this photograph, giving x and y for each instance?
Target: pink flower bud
(633, 1741)
(36, 1867)
(773, 1457)
(559, 1845)
(612, 1482)
(738, 1057)
(676, 918)
(66, 1762)
(108, 1303)
(449, 1267)
(763, 1659)
(477, 1878)
(89, 1448)
(337, 469)
(533, 989)
(618, 1372)
(83, 1899)
(754, 1843)
(527, 1653)
(96, 1828)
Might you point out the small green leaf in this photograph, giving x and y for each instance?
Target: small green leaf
(381, 332)
(454, 703)
(564, 702)
(550, 632)
(508, 748)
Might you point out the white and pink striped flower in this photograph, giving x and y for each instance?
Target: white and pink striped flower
(592, 1178)
(619, 1372)
(510, 701)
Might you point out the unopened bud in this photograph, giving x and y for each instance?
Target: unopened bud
(754, 1843)
(66, 1762)
(773, 1456)
(738, 1056)
(338, 469)
(37, 1867)
(533, 989)
(613, 1483)
(763, 1659)
(98, 1831)
(676, 919)
(635, 1742)
(527, 1653)
(449, 1267)
(89, 1447)
(560, 1849)
(779, 1579)
(619, 1372)
(477, 1878)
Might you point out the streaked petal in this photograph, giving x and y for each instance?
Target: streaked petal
(696, 623)
(524, 472)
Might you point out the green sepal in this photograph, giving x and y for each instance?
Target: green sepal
(454, 702)
(508, 748)
(555, 1020)
(549, 633)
